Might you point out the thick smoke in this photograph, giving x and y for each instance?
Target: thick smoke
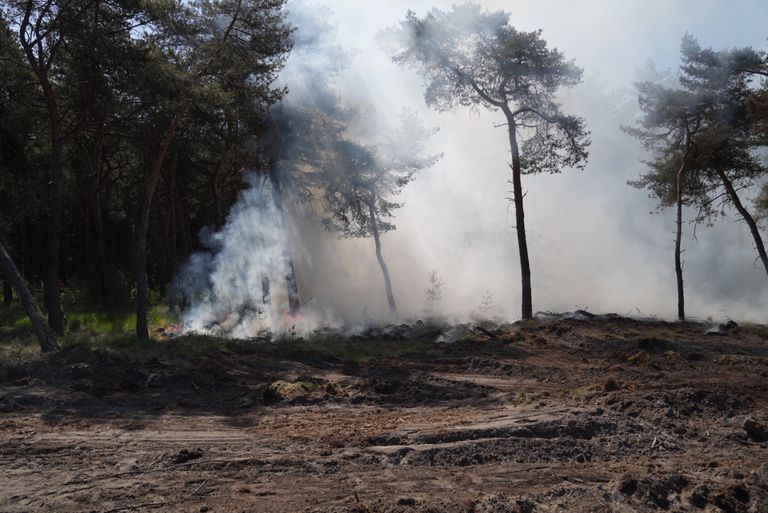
(592, 241)
(238, 287)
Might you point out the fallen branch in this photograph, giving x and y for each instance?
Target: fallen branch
(200, 487)
(137, 506)
(487, 333)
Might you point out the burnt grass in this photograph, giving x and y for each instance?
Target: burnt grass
(602, 414)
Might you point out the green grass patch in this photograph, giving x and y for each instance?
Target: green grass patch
(89, 328)
(19, 350)
(15, 327)
(117, 323)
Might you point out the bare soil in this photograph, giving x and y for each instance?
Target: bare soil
(590, 415)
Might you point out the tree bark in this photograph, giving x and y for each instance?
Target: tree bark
(294, 300)
(100, 259)
(7, 293)
(142, 231)
(45, 336)
(41, 65)
(172, 229)
(746, 216)
(517, 194)
(266, 296)
(678, 241)
(51, 276)
(101, 254)
(379, 257)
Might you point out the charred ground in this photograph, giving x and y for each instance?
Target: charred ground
(577, 415)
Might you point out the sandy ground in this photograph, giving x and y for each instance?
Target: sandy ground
(587, 415)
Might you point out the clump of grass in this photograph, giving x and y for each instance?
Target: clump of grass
(610, 384)
(607, 384)
(14, 323)
(94, 321)
(639, 358)
(17, 340)
(282, 390)
(528, 323)
(18, 351)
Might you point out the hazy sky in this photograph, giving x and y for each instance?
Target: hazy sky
(611, 37)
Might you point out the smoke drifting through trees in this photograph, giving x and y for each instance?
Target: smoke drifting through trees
(455, 215)
(316, 162)
(589, 233)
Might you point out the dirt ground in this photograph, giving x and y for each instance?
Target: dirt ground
(561, 415)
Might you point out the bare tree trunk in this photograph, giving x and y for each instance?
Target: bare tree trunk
(101, 254)
(7, 293)
(217, 193)
(142, 231)
(41, 65)
(266, 296)
(100, 261)
(172, 227)
(294, 300)
(678, 242)
(45, 336)
(51, 276)
(517, 195)
(746, 216)
(379, 257)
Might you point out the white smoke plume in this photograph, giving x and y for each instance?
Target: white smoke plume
(227, 286)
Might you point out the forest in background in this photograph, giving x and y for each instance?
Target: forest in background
(130, 128)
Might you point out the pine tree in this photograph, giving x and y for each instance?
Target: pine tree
(469, 58)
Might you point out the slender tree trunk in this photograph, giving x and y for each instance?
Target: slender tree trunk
(172, 229)
(746, 216)
(183, 239)
(266, 296)
(45, 336)
(379, 257)
(294, 300)
(217, 193)
(142, 231)
(7, 293)
(41, 65)
(51, 276)
(517, 195)
(678, 242)
(97, 216)
(101, 253)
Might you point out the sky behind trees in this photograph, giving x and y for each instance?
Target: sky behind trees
(612, 38)
(596, 244)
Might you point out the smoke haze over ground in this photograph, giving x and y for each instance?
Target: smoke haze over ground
(592, 241)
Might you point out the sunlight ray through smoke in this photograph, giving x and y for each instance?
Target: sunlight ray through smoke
(238, 288)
